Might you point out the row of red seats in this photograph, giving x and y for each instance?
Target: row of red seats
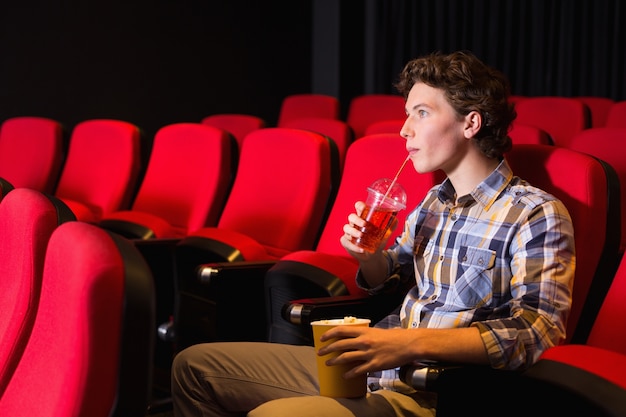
(94, 174)
(552, 116)
(33, 153)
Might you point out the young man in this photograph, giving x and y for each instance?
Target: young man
(490, 257)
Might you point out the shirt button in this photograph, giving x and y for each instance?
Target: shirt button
(453, 217)
(441, 258)
(414, 324)
(464, 259)
(481, 261)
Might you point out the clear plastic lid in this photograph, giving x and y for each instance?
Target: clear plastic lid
(395, 197)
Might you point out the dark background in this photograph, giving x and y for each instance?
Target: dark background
(164, 61)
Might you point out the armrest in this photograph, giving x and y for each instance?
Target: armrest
(298, 314)
(127, 229)
(212, 273)
(592, 378)
(424, 376)
(552, 387)
(304, 311)
(193, 251)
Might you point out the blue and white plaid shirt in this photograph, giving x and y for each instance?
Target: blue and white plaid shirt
(501, 258)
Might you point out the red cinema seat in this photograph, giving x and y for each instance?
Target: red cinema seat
(90, 349)
(185, 185)
(31, 152)
(237, 124)
(299, 106)
(369, 108)
(101, 169)
(27, 219)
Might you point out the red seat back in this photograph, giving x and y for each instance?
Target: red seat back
(27, 219)
(599, 108)
(385, 126)
(186, 182)
(337, 130)
(299, 106)
(238, 125)
(90, 350)
(582, 183)
(521, 133)
(617, 115)
(281, 189)
(369, 108)
(608, 144)
(607, 328)
(561, 117)
(31, 152)
(101, 169)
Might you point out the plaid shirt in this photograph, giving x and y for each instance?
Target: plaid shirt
(501, 259)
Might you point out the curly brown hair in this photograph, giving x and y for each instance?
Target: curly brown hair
(469, 85)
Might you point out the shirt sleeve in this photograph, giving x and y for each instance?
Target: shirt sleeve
(543, 264)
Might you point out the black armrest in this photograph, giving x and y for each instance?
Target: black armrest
(127, 229)
(571, 388)
(300, 313)
(424, 376)
(211, 273)
(304, 311)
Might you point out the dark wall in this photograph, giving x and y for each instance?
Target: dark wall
(545, 47)
(162, 61)
(152, 62)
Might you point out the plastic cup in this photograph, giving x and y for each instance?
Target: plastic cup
(381, 208)
(332, 382)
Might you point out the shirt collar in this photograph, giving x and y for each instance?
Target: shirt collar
(487, 191)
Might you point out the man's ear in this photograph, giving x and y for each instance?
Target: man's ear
(473, 123)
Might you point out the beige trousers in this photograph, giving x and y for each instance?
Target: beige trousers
(272, 380)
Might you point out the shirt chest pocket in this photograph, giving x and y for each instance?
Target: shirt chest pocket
(473, 286)
(472, 257)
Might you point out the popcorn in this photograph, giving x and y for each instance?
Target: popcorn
(338, 322)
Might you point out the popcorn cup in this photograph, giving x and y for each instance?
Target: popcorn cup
(331, 380)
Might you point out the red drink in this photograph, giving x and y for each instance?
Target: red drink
(385, 198)
(377, 222)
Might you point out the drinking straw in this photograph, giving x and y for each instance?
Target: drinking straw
(396, 177)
